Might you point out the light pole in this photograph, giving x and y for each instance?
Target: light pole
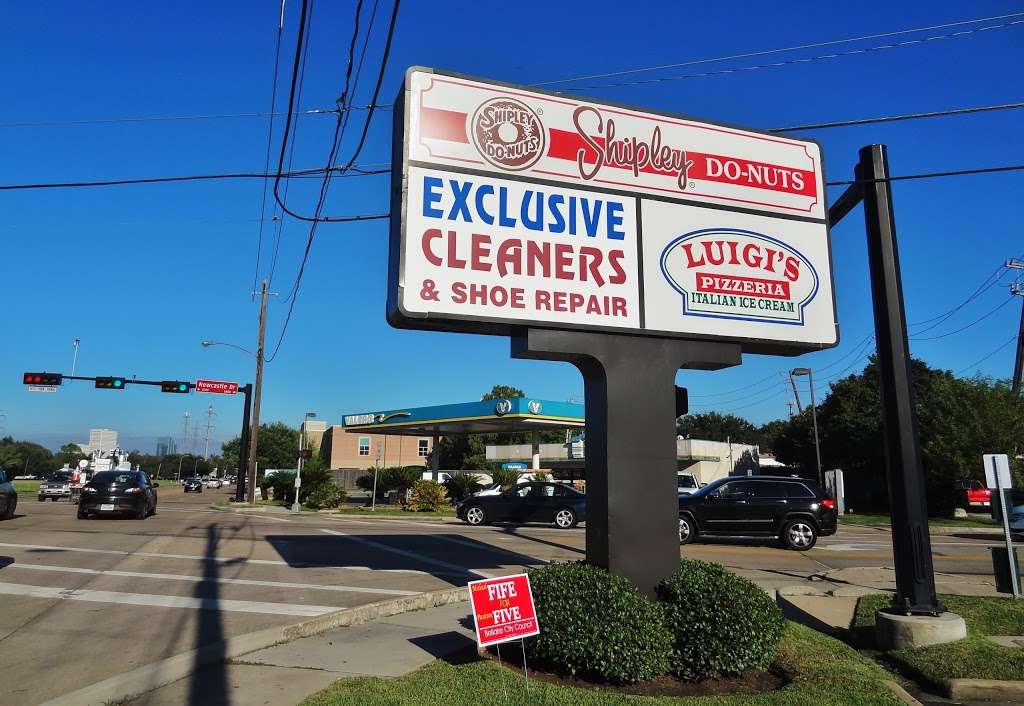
(814, 416)
(74, 358)
(298, 472)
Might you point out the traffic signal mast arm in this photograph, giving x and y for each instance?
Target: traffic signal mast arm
(108, 382)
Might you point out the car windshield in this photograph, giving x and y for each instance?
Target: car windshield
(114, 477)
(60, 478)
(686, 481)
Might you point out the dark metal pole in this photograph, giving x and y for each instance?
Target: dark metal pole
(915, 574)
(243, 452)
(1018, 365)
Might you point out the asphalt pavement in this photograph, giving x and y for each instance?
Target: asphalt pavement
(84, 600)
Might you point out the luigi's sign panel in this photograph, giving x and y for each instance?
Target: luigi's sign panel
(627, 242)
(513, 207)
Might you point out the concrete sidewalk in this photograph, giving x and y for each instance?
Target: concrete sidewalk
(289, 672)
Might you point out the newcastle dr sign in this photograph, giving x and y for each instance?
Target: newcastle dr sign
(513, 207)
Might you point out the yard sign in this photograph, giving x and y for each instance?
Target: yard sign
(503, 609)
(512, 207)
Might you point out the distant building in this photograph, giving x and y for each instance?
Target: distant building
(166, 445)
(100, 440)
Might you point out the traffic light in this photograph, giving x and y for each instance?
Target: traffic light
(682, 401)
(110, 383)
(48, 379)
(182, 388)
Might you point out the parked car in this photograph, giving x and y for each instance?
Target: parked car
(213, 482)
(8, 497)
(686, 483)
(796, 511)
(1017, 521)
(527, 502)
(972, 494)
(119, 492)
(56, 488)
(193, 485)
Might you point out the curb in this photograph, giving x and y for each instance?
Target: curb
(153, 676)
(902, 694)
(985, 690)
(939, 530)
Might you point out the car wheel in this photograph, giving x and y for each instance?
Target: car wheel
(687, 530)
(82, 514)
(565, 518)
(475, 515)
(799, 535)
(12, 505)
(143, 512)
(42, 499)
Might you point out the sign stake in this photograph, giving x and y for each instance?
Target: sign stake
(526, 672)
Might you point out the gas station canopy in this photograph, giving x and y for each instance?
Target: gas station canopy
(500, 416)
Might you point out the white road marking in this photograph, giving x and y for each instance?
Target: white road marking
(456, 569)
(143, 599)
(202, 579)
(193, 557)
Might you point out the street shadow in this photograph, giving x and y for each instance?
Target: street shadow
(449, 557)
(799, 615)
(512, 532)
(6, 561)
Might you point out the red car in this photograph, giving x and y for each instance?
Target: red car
(973, 494)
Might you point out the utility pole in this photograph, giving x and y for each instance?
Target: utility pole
(250, 494)
(796, 394)
(209, 423)
(184, 431)
(1017, 290)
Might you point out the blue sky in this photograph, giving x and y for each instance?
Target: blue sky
(141, 274)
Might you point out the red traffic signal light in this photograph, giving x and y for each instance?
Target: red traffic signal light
(177, 386)
(110, 383)
(49, 379)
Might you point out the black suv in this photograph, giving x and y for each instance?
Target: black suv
(792, 509)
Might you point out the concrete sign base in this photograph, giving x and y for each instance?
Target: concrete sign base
(897, 632)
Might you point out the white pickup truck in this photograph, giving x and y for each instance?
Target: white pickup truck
(57, 487)
(686, 483)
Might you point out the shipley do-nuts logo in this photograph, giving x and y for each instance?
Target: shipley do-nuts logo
(727, 273)
(508, 134)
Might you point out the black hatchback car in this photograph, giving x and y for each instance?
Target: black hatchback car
(793, 509)
(118, 492)
(527, 502)
(193, 485)
(8, 497)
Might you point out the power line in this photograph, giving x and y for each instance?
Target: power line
(765, 52)
(297, 174)
(896, 118)
(979, 361)
(355, 155)
(963, 328)
(270, 137)
(931, 175)
(936, 321)
(168, 118)
(804, 60)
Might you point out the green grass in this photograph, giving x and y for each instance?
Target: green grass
(884, 520)
(392, 512)
(971, 658)
(27, 487)
(825, 672)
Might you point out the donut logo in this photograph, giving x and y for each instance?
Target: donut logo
(508, 134)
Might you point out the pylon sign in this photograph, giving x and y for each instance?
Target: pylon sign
(513, 207)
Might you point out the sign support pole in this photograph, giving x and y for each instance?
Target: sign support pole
(632, 510)
(911, 544)
(1003, 498)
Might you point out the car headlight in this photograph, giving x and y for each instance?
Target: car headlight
(88, 490)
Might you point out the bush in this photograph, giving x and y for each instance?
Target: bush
(462, 485)
(427, 496)
(506, 477)
(722, 624)
(326, 495)
(596, 624)
(283, 485)
(542, 477)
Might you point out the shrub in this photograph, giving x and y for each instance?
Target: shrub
(326, 495)
(722, 624)
(462, 485)
(506, 477)
(597, 625)
(427, 496)
(542, 477)
(283, 485)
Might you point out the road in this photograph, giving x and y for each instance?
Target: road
(84, 600)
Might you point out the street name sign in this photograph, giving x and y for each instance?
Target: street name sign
(42, 388)
(503, 609)
(516, 208)
(217, 387)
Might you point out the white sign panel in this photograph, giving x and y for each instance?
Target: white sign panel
(42, 388)
(997, 465)
(514, 207)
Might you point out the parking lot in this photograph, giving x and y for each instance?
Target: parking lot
(87, 599)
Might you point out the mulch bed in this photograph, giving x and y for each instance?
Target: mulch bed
(750, 682)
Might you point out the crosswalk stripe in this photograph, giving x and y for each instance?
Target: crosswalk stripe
(202, 579)
(161, 601)
(193, 557)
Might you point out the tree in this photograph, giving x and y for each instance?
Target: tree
(718, 427)
(462, 485)
(21, 457)
(503, 392)
(276, 447)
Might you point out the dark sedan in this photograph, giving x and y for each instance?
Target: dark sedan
(193, 485)
(118, 492)
(528, 502)
(8, 497)
(793, 509)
